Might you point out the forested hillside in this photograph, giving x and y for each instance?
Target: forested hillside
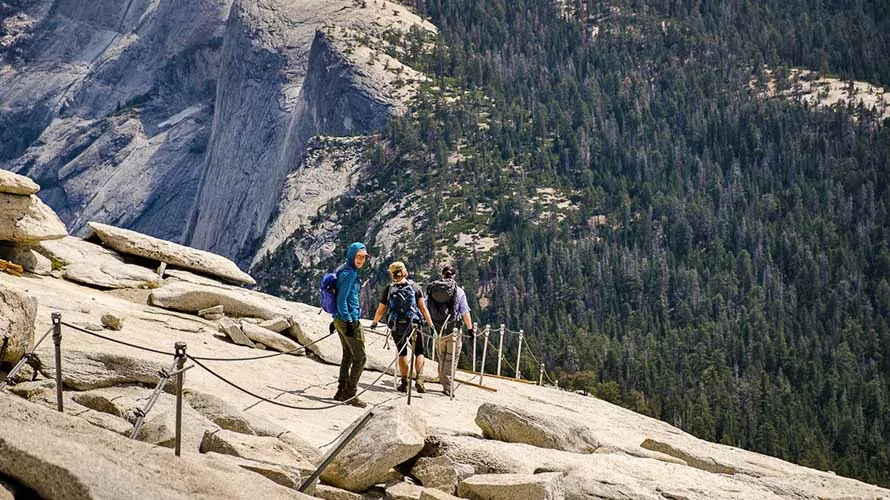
(724, 261)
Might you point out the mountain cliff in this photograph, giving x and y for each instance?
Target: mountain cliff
(184, 122)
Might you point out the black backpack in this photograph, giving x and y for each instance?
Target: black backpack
(402, 303)
(441, 295)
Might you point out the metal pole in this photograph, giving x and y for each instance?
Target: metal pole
(475, 333)
(500, 349)
(412, 341)
(541, 375)
(57, 340)
(454, 355)
(179, 348)
(484, 353)
(519, 352)
(336, 451)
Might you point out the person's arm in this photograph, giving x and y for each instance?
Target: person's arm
(345, 281)
(463, 308)
(421, 304)
(378, 315)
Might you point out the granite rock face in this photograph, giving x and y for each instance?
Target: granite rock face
(185, 121)
(108, 107)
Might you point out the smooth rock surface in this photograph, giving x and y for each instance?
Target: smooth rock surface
(95, 265)
(27, 220)
(62, 457)
(17, 313)
(143, 245)
(13, 183)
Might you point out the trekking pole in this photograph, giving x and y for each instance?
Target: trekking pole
(412, 341)
(519, 352)
(454, 355)
(484, 353)
(57, 341)
(500, 349)
(475, 329)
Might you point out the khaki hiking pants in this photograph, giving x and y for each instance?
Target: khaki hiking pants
(448, 352)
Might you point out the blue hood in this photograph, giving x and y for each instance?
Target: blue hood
(351, 251)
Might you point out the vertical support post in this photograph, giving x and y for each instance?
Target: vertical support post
(541, 375)
(179, 349)
(475, 332)
(57, 341)
(500, 349)
(484, 353)
(519, 352)
(412, 343)
(454, 355)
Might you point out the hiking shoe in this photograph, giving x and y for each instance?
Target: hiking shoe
(341, 395)
(358, 403)
(403, 385)
(418, 384)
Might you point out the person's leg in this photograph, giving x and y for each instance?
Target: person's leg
(345, 362)
(357, 352)
(442, 356)
(418, 363)
(401, 335)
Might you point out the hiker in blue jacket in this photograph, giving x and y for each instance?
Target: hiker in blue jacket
(348, 326)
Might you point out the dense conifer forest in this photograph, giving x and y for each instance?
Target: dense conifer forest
(738, 285)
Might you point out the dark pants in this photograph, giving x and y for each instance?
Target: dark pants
(401, 333)
(353, 362)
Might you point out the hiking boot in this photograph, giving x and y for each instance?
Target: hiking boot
(341, 395)
(446, 392)
(403, 385)
(418, 384)
(358, 403)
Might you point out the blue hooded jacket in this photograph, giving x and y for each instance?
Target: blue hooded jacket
(348, 286)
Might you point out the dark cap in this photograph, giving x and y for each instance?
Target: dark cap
(448, 272)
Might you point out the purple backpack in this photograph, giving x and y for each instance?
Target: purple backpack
(328, 287)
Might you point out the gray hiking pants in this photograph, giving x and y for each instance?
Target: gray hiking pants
(448, 352)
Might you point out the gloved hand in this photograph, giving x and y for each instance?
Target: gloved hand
(374, 325)
(433, 331)
(353, 328)
(471, 332)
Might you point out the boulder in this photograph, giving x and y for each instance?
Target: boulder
(393, 435)
(28, 257)
(82, 370)
(26, 219)
(260, 448)
(112, 321)
(95, 265)
(434, 494)
(60, 456)
(546, 486)
(131, 242)
(271, 339)
(17, 313)
(520, 425)
(219, 412)
(192, 297)
(217, 309)
(159, 424)
(441, 473)
(13, 183)
(331, 493)
(231, 419)
(403, 491)
(285, 476)
(276, 325)
(234, 332)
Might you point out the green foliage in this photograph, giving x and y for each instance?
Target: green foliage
(726, 266)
